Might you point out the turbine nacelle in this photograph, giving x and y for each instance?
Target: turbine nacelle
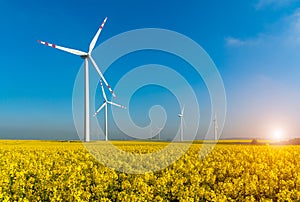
(84, 56)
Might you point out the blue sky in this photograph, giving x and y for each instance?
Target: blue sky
(254, 44)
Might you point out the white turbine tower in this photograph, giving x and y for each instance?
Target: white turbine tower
(86, 56)
(156, 132)
(105, 103)
(159, 132)
(215, 128)
(181, 123)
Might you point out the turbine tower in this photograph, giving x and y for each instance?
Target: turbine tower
(86, 56)
(215, 128)
(105, 103)
(159, 131)
(180, 115)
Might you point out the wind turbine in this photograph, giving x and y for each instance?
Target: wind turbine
(181, 123)
(159, 131)
(105, 103)
(156, 132)
(86, 56)
(215, 128)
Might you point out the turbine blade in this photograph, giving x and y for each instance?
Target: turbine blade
(97, 112)
(69, 50)
(184, 124)
(94, 41)
(101, 75)
(103, 92)
(182, 110)
(117, 105)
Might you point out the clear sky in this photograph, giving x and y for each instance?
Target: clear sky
(254, 44)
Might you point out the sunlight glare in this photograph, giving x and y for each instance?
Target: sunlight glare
(278, 134)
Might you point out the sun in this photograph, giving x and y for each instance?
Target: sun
(278, 134)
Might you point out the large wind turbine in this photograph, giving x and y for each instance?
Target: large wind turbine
(181, 123)
(86, 56)
(105, 103)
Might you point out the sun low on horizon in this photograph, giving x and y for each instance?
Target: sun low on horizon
(279, 133)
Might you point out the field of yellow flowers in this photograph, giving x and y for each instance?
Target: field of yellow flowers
(65, 171)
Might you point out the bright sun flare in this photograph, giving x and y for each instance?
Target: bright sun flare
(278, 134)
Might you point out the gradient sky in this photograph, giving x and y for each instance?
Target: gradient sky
(254, 44)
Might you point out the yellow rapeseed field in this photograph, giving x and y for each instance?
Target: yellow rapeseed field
(65, 171)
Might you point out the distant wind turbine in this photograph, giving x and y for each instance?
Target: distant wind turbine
(86, 56)
(180, 115)
(159, 131)
(105, 103)
(215, 127)
(156, 132)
